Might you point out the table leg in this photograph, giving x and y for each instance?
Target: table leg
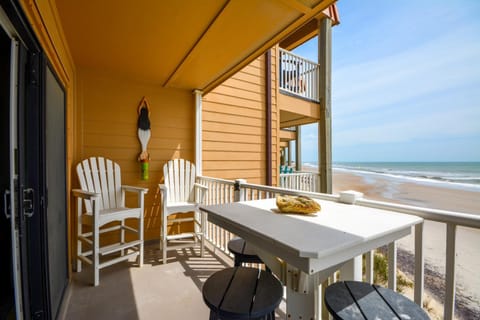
(352, 269)
(304, 298)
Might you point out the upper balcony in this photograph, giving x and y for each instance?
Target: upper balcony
(299, 99)
(298, 76)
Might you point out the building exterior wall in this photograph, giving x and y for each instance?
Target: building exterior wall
(234, 125)
(102, 118)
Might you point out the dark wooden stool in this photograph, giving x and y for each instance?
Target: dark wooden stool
(242, 293)
(243, 253)
(360, 300)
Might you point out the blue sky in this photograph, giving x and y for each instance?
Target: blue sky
(405, 82)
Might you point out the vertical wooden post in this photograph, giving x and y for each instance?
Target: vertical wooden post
(325, 122)
(298, 149)
(198, 131)
(239, 193)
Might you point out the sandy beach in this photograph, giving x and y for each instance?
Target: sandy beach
(382, 188)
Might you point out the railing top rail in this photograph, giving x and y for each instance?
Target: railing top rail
(297, 56)
(470, 220)
(315, 195)
(459, 218)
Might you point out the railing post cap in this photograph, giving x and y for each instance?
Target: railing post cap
(350, 196)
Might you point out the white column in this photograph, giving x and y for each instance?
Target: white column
(198, 131)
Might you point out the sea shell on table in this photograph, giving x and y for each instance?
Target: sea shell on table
(297, 204)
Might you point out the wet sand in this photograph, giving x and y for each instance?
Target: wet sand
(381, 188)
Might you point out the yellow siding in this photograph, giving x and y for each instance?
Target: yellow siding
(107, 126)
(234, 125)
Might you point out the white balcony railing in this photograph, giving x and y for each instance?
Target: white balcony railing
(299, 76)
(227, 191)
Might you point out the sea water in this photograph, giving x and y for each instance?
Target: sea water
(461, 175)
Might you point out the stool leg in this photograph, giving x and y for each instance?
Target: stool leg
(237, 262)
(213, 316)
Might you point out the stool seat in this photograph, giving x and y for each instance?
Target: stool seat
(360, 300)
(243, 252)
(242, 293)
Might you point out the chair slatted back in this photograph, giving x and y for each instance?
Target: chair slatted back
(101, 176)
(180, 176)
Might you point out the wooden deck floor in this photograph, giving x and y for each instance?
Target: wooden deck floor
(155, 291)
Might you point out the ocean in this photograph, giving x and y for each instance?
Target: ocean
(459, 175)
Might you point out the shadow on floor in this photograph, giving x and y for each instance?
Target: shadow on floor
(155, 291)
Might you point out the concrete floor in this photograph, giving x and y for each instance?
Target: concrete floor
(155, 291)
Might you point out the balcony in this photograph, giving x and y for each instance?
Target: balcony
(174, 290)
(298, 82)
(298, 76)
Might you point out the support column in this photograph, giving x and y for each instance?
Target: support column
(289, 150)
(298, 149)
(198, 131)
(325, 122)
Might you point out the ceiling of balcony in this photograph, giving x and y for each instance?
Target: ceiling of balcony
(187, 44)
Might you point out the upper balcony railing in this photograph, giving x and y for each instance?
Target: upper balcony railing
(299, 76)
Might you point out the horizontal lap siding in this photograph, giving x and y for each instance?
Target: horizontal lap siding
(107, 126)
(234, 124)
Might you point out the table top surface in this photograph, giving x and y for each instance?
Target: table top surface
(334, 228)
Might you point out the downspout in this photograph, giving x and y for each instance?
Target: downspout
(268, 116)
(198, 131)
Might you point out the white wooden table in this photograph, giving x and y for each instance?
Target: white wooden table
(304, 250)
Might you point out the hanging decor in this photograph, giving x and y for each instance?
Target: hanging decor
(144, 133)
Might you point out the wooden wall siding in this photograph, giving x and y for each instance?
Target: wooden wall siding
(107, 126)
(234, 128)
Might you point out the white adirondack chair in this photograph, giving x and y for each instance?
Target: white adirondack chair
(181, 193)
(104, 198)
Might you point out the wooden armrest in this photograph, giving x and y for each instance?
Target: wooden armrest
(79, 193)
(200, 186)
(163, 188)
(135, 189)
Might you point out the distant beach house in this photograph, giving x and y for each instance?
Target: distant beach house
(223, 91)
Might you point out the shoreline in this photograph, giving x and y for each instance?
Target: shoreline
(401, 191)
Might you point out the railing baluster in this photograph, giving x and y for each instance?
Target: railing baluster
(450, 273)
(419, 265)
(369, 256)
(392, 266)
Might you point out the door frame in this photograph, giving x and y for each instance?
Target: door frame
(29, 159)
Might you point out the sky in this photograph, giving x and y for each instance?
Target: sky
(405, 82)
